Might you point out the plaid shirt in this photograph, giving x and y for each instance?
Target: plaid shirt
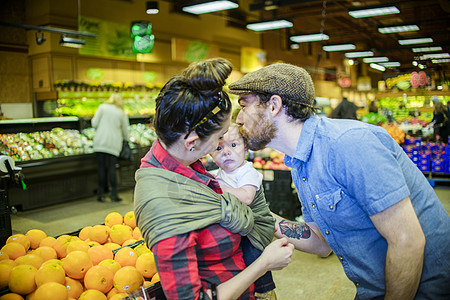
(191, 262)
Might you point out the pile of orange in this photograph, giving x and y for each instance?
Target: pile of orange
(36, 266)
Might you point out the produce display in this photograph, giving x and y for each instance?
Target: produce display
(63, 142)
(107, 261)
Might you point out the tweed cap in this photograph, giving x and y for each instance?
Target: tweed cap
(281, 79)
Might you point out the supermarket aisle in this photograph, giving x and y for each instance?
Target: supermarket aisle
(307, 277)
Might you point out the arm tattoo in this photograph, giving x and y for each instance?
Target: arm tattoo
(295, 230)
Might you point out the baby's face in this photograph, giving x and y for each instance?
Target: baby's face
(230, 153)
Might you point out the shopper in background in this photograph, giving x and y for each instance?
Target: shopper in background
(373, 108)
(441, 121)
(192, 228)
(361, 196)
(237, 176)
(345, 110)
(111, 129)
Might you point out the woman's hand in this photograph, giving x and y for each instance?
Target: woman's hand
(277, 254)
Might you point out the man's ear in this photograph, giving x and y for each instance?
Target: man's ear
(192, 141)
(276, 104)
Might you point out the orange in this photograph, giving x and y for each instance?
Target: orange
(111, 264)
(155, 278)
(126, 257)
(30, 259)
(112, 293)
(129, 219)
(50, 272)
(128, 279)
(5, 270)
(46, 253)
(77, 245)
(99, 278)
(74, 287)
(119, 296)
(99, 253)
(61, 244)
(53, 261)
(141, 249)
(113, 218)
(99, 233)
(3, 255)
(120, 233)
(51, 290)
(146, 284)
(14, 250)
(129, 242)
(112, 246)
(137, 233)
(21, 279)
(21, 239)
(146, 265)
(92, 295)
(35, 236)
(8, 262)
(11, 296)
(48, 241)
(84, 233)
(76, 264)
(92, 243)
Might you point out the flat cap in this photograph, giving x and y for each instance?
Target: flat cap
(281, 79)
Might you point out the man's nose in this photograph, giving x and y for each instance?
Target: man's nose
(239, 119)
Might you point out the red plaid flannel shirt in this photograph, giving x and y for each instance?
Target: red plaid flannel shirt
(190, 262)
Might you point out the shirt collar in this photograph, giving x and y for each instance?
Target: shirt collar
(158, 157)
(305, 142)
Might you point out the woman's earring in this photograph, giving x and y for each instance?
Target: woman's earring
(192, 149)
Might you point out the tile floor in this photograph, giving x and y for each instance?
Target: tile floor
(307, 277)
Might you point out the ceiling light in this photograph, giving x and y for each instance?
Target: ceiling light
(421, 66)
(295, 46)
(390, 64)
(342, 47)
(152, 8)
(436, 55)
(377, 67)
(426, 49)
(415, 41)
(309, 38)
(209, 6)
(375, 59)
(400, 28)
(442, 60)
(71, 42)
(269, 25)
(415, 63)
(374, 11)
(358, 54)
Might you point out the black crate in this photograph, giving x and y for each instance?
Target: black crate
(5, 218)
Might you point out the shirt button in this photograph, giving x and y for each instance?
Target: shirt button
(358, 284)
(331, 206)
(327, 232)
(304, 178)
(341, 258)
(317, 196)
(313, 206)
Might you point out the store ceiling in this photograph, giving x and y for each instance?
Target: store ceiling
(432, 17)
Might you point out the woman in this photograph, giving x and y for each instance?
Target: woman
(192, 228)
(111, 129)
(441, 122)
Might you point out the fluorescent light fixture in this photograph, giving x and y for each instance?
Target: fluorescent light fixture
(442, 60)
(390, 64)
(415, 41)
(269, 25)
(341, 47)
(435, 55)
(358, 54)
(377, 67)
(309, 38)
(295, 46)
(427, 49)
(375, 11)
(152, 8)
(400, 28)
(375, 59)
(210, 6)
(71, 42)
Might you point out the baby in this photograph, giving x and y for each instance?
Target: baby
(238, 177)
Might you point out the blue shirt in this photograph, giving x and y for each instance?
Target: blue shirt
(346, 171)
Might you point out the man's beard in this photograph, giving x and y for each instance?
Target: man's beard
(260, 135)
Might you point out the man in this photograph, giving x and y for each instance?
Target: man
(345, 110)
(361, 195)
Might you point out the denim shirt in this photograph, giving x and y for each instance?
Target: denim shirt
(346, 171)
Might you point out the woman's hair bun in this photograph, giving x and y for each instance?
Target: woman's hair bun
(208, 76)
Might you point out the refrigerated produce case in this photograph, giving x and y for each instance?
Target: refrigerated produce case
(65, 176)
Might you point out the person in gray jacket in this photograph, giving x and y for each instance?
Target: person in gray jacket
(111, 129)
